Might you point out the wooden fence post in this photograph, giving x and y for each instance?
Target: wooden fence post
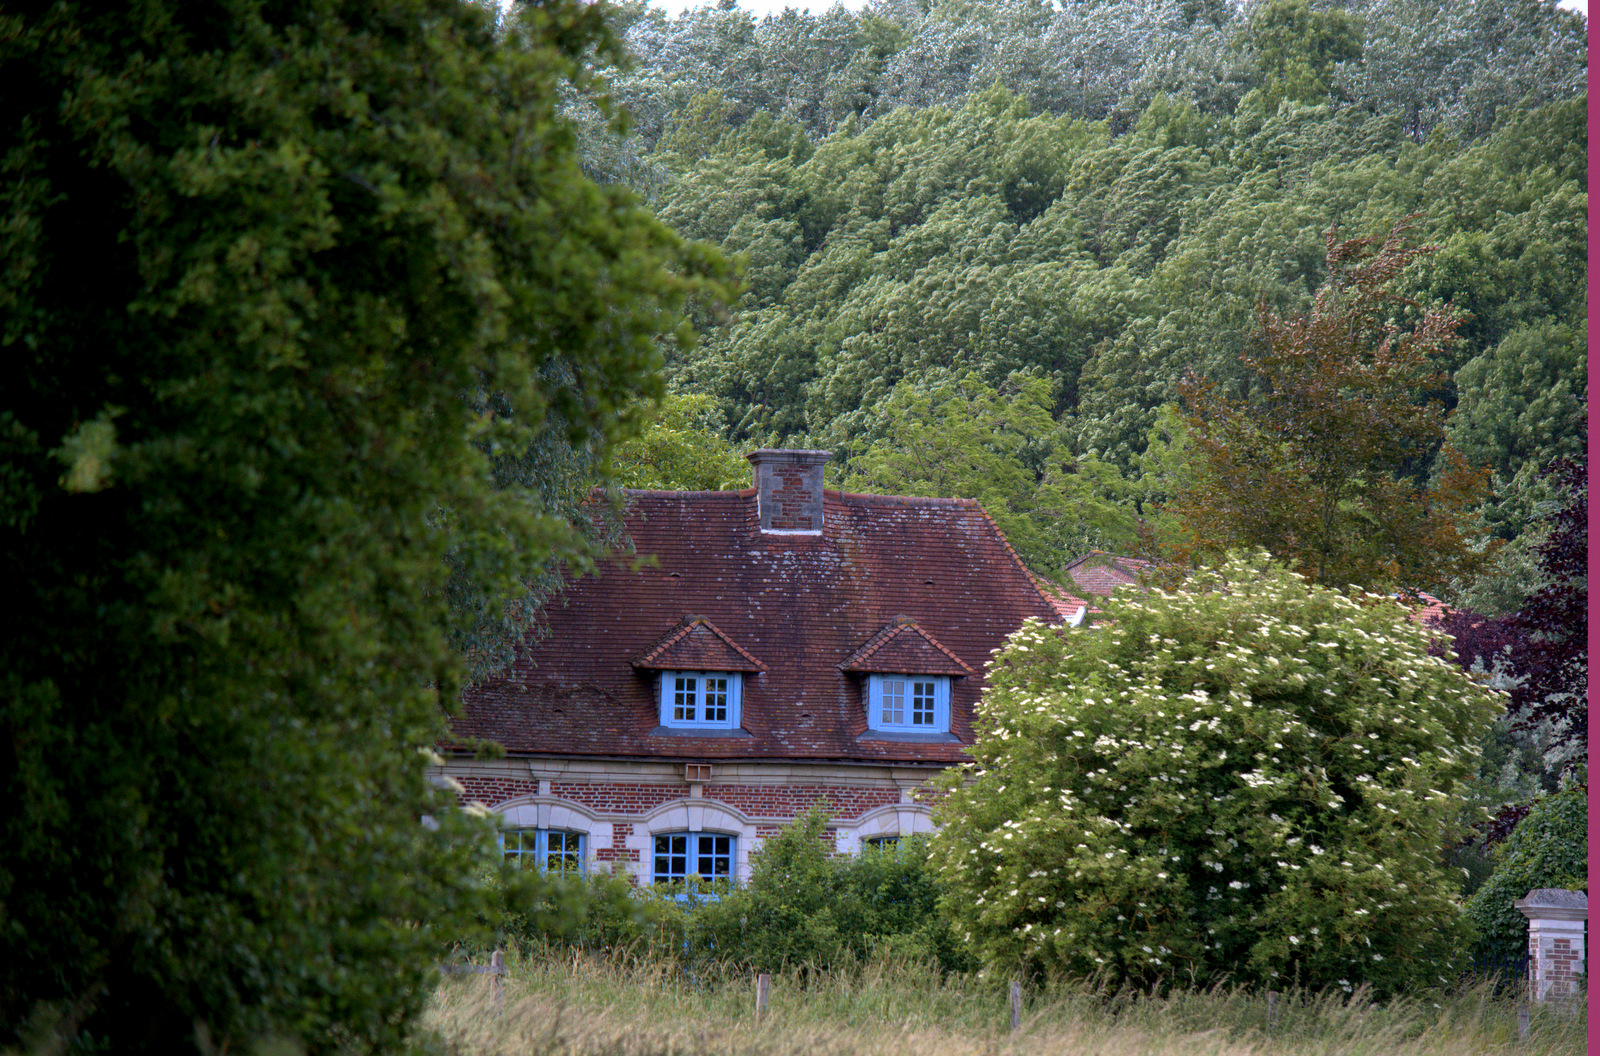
(763, 981)
(497, 975)
(1016, 1005)
(1272, 1011)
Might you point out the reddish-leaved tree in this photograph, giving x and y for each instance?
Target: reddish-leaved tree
(1325, 463)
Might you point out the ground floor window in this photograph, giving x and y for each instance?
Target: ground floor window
(882, 842)
(680, 855)
(550, 850)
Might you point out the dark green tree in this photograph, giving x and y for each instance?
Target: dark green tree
(1297, 48)
(298, 300)
(1548, 848)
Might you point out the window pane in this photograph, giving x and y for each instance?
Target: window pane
(683, 699)
(521, 847)
(922, 703)
(716, 702)
(715, 856)
(563, 852)
(672, 858)
(894, 702)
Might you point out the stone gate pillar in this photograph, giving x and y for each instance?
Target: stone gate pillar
(1556, 955)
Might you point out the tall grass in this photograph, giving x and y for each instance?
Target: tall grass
(580, 1005)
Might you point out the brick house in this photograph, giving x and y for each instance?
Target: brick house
(1099, 574)
(786, 645)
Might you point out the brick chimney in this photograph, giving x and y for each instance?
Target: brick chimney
(789, 489)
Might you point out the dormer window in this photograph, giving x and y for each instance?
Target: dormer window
(908, 703)
(908, 678)
(700, 700)
(699, 674)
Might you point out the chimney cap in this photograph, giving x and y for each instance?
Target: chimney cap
(787, 454)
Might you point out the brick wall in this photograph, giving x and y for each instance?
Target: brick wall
(492, 790)
(765, 801)
(762, 801)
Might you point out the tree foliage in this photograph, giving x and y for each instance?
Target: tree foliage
(961, 438)
(982, 238)
(298, 300)
(1249, 778)
(682, 448)
(1319, 466)
(1553, 625)
(1548, 848)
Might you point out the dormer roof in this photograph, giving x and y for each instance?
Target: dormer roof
(696, 644)
(903, 648)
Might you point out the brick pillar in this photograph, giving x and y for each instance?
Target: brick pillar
(1556, 955)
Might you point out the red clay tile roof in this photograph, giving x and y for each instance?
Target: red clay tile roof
(801, 604)
(904, 648)
(1426, 608)
(697, 645)
(1066, 605)
(1098, 572)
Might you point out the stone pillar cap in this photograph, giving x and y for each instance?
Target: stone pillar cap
(1554, 903)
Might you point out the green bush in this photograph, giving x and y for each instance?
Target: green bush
(807, 906)
(594, 910)
(1249, 778)
(1548, 848)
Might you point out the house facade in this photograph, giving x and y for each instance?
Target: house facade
(766, 650)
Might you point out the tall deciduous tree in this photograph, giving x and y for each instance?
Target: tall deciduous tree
(683, 448)
(1324, 465)
(297, 300)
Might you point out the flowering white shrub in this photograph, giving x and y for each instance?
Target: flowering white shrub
(1251, 778)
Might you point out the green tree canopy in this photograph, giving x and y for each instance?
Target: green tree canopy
(960, 438)
(682, 448)
(1548, 848)
(299, 299)
(1250, 779)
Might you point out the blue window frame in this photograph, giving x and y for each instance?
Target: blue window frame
(909, 703)
(681, 855)
(548, 850)
(705, 700)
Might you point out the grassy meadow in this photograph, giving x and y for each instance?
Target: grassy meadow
(580, 1005)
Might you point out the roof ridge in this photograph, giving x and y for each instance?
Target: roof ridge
(669, 493)
(899, 500)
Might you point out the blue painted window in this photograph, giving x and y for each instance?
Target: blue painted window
(549, 850)
(680, 855)
(909, 703)
(882, 843)
(707, 700)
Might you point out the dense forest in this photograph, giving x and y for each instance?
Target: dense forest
(985, 243)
